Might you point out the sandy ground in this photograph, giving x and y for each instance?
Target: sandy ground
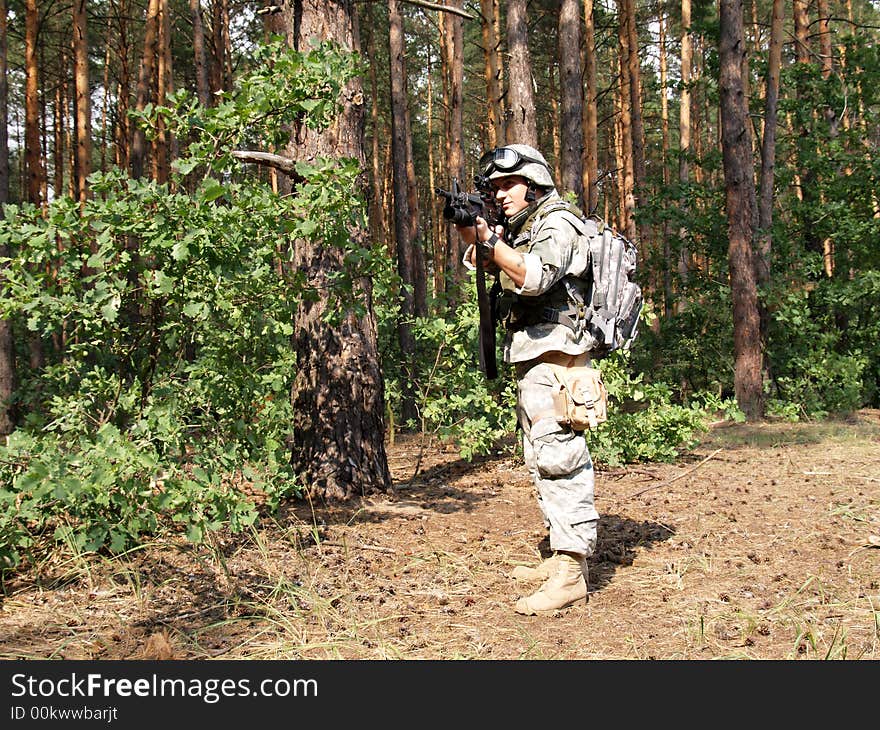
(762, 543)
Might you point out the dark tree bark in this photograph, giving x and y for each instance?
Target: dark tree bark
(378, 229)
(338, 447)
(572, 98)
(741, 215)
(123, 129)
(203, 84)
(402, 214)
(521, 125)
(144, 85)
(768, 145)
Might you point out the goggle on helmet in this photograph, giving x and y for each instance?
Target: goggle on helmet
(503, 161)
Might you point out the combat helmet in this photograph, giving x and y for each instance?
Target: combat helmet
(517, 159)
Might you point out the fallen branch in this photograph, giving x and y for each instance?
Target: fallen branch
(283, 164)
(676, 478)
(377, 548)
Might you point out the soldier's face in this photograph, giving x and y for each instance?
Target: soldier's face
(510, 192)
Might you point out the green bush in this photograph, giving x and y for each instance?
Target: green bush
(165, 317)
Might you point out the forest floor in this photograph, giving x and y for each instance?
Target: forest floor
(761, 543)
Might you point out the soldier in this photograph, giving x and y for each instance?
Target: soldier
(539, 255)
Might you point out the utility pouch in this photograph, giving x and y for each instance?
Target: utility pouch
(580, 399)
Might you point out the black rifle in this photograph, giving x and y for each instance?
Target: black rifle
(462, 209)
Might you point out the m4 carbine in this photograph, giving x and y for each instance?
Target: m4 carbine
(462, 209)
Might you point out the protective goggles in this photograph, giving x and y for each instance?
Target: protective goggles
(504, 159)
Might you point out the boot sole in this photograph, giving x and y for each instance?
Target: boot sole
(550, 611)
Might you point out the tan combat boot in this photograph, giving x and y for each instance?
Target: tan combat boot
(567, 585)
(542, 571)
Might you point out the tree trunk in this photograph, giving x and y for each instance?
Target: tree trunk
(768, 167)
(419, 270)
(163, 86)
(572, 98)
(455, 149)
(740, 195)
(640, 181)
(7, 343)
(215, 73)
(338, 447)
(227, 45)
(830, 115)
(33, 161)
(590, 120)
(203, 84)
(437, 234)
(83, 100)
(555, 125)
(402, 213)
(145, 78)
(488, 11)
(123, 136)
(684, 127)
(59, 123)
(105, 102)
(628, 221)
(801, 30)
(521, 125)
(4, 105)
(664, 125)
(377, 224)
(768, 145)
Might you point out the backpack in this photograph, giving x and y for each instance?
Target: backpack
(613, 299)
(606, 296)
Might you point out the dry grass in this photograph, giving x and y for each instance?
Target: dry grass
(770, 549)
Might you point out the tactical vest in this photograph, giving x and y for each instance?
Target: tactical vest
(563, 303)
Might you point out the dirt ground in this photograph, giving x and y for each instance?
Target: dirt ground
(762, 543)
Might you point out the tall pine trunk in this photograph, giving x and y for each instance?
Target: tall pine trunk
(402, 213)
(739, 184)
(590, 119)
(455, 144)
(494, 130)
(144, 86)
(83, 100)
(7, 343)
(625, 149)
(684, 127)
(338, 447)
(203, 83)
(521, 124)
(572, 98)
(33, 160)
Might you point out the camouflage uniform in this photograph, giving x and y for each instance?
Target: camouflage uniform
(548, 235)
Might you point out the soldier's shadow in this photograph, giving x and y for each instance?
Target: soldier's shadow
(618, 541)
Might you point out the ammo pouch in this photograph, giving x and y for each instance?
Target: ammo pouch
(580, 399)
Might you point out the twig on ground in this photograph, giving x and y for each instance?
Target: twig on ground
(675, 478)
(357, 546)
